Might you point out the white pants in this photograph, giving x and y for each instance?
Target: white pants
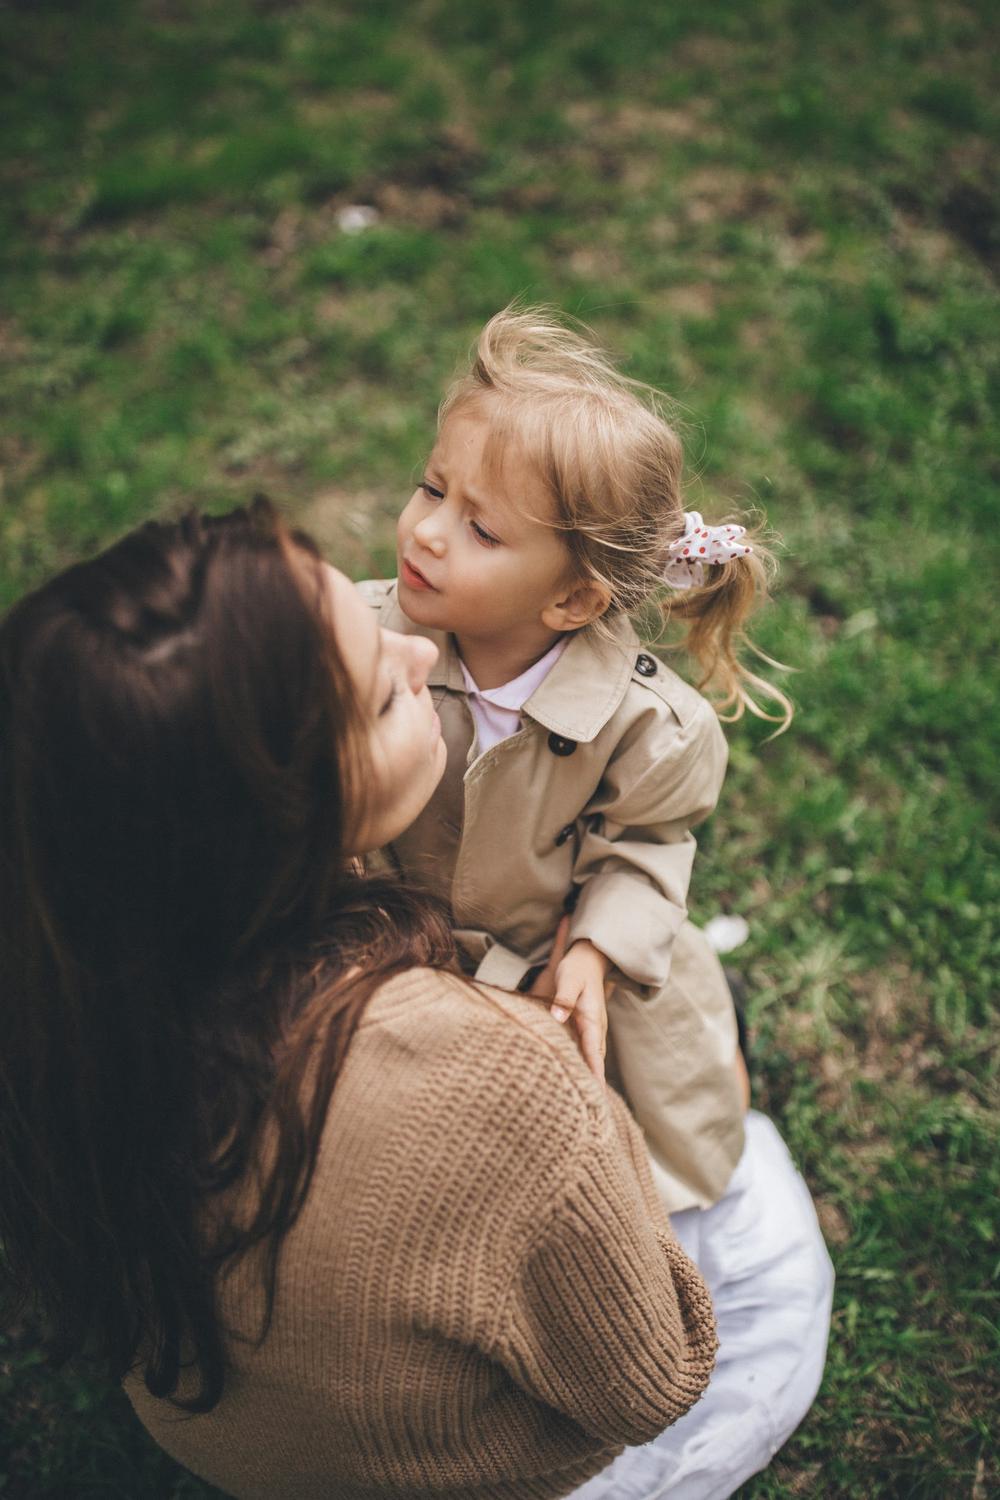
(762, 1255)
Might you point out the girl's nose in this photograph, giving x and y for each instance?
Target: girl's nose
(427, 534)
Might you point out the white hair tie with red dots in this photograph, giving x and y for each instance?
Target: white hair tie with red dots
(699, 545)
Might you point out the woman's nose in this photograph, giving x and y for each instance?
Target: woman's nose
(423, 655)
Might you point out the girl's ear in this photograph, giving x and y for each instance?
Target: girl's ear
(585, 602)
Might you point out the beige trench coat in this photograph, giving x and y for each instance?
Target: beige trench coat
(593, 801)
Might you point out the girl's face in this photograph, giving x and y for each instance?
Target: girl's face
(402, 731)
(471, 558)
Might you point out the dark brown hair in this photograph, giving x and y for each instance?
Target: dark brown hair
(181, 763)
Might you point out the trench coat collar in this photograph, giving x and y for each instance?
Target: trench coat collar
(587, 683)
(578, 696)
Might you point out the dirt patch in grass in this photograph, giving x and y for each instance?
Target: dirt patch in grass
(597, 262)
(883, 1036)
(725, 193)
(698, 299)
(344, 524)
(893, 1046)
(259, 475)
(832, 1221)
(634, 144)
(426, 207)
(285, 236)
(18, 458)
(628, 123)
(13, 344)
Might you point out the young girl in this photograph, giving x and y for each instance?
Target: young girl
(550, 512)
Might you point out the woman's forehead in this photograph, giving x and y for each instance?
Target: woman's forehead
(355, 627)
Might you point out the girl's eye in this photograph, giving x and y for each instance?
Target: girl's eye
(431, 491)
(484, 536)
(394, 692)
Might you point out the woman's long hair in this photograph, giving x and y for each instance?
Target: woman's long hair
(181, 765)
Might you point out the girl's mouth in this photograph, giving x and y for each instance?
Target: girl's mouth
(413, 579)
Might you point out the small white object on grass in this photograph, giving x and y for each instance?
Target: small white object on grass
(356, 217)
(726, 932)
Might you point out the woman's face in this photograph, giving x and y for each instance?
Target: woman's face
(403, 732)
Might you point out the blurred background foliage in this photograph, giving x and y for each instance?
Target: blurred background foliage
(787, 216)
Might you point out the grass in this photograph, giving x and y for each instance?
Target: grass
(786, 215)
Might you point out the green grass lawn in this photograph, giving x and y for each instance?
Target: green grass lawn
(787, 214)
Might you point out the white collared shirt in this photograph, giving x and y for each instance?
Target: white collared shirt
(497, 711)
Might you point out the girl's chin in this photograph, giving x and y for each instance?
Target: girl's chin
(423, 608)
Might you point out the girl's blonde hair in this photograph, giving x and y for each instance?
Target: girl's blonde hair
(605, 449)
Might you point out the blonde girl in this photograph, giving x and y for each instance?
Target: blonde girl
(548, 518)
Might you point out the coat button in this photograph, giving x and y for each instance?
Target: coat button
(564, 834)
(645, 665)
(560, 746)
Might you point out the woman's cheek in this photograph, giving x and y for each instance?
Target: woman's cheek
(379, 769)
(407, 744)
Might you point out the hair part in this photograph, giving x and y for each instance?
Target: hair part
(606, 449)
(181, 765)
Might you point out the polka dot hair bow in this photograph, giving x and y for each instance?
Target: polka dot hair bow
(699, 545)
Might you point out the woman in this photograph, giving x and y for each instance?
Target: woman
(345, 1224)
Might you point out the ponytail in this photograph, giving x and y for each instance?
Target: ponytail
(715, 613)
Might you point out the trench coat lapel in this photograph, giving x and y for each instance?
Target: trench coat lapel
(587, 683)
(579, 695)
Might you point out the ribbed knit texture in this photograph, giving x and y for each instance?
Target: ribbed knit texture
(482, 1297)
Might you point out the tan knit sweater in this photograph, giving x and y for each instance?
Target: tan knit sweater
(482, 1297)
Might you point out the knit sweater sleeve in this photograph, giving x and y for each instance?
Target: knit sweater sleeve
(607, 1320)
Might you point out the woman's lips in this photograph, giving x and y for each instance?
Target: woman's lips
(413, 579)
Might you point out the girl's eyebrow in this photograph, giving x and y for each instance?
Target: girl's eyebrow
(478, 500)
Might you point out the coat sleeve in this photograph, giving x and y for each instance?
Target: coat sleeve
(635, 857)
(499, 964)
(607, 1320)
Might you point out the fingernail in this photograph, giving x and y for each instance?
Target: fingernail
(558, 1014)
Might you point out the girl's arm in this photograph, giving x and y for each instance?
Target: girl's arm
(634, 863)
